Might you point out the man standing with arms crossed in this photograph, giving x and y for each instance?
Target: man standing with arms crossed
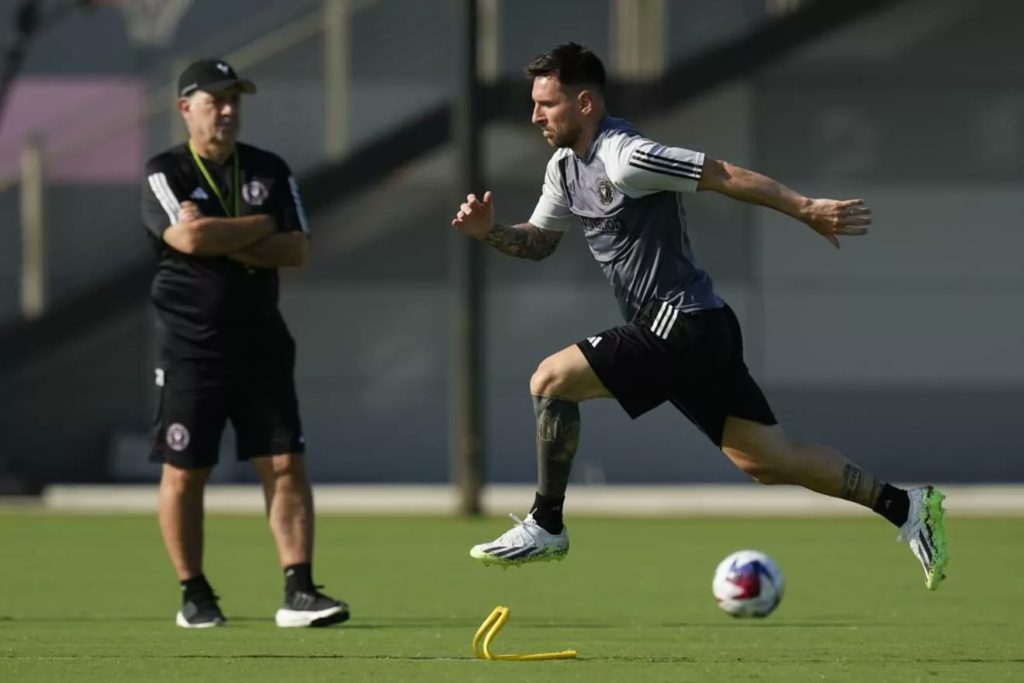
(681, 343)
(223, 217)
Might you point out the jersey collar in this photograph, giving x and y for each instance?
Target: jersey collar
(602, 125)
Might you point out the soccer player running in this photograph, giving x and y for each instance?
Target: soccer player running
(681, 343)
(223, 217)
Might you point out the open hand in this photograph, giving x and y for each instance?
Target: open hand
(834, 218)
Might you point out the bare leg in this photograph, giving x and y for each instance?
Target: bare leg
(771, 456)
(289, 504)
(180, 510)
(560, 382)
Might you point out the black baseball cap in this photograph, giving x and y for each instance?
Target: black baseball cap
(212, 75)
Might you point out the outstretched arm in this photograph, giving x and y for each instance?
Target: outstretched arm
(475, 218)
(830, 218)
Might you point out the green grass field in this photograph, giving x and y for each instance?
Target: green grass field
(92, 598)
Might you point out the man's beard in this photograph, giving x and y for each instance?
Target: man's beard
(566, 139)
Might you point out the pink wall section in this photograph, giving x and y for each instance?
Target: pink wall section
(101, 113)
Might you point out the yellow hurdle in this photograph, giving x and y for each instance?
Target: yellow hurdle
(489, 629)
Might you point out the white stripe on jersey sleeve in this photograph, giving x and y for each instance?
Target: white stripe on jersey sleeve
(299, 209)
(638, 166)
(162, 191)
(552, 211)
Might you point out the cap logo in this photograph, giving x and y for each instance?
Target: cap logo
(224, 68)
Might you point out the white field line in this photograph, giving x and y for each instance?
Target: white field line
(607, 501)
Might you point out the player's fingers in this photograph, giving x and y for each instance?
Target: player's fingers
(465, 209)
(851, 231)
(857, 220)
(833, 240)
(471, 199)
(487, 197)
(848, 203)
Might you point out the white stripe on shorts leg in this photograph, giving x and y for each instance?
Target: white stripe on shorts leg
(670, 324)
(670, 320)
(657, 320)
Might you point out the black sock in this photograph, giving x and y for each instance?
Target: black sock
(196, 587)
(299, 577)
(893, 504)
(547, 512)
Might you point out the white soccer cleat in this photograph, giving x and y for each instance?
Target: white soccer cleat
(526, 542)
(925, 531)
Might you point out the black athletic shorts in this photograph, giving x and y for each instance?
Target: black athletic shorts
(693, 360)
(256, 392)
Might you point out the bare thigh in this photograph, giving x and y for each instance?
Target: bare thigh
(567, 375)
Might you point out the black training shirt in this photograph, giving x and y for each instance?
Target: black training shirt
(209, 305)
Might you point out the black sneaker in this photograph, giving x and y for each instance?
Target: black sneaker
(201, 612)
(310, 608)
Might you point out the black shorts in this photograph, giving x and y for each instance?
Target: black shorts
(197, 398)
(694, 361)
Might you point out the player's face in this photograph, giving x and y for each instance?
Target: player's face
(214, 117)
(556, 112)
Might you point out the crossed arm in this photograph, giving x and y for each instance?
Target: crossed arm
(252, 240)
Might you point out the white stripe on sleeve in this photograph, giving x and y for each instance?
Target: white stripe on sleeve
(299, 210)
(162, 191)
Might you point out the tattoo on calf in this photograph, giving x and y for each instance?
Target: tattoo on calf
(859, 486)
(558, 428)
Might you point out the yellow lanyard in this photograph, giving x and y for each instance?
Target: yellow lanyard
(235, 194)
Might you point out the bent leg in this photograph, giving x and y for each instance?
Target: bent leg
(769, 455)
(560, 382)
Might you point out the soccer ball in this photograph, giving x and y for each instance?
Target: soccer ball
(748, 583)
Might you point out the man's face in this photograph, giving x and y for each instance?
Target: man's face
(213, 117)
(556, 112)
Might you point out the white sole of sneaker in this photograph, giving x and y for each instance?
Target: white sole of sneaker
(292, 618)
(493, 561)
(183, 623)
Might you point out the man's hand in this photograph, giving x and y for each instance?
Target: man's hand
(832, 217)
(475, 217)
(189, 211)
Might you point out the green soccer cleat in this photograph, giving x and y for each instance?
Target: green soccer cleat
(925, 531)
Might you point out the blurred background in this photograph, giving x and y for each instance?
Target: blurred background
(902, 349)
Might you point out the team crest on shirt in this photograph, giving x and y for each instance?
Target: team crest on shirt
(255, 192)
(178, 437)
(604, 190)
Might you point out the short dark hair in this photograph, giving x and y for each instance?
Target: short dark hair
(571, 63)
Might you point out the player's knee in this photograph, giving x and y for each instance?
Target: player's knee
(548, 380)
(766, 474)
(184, 479)
(282, 466)
(762, 470)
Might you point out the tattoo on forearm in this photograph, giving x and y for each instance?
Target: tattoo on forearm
(524, 241)
(859, 486)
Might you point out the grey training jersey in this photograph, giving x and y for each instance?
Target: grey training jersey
(626, 192)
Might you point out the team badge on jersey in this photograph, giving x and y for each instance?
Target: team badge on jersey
(604, 190)
(178, 437)
(255, 192)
